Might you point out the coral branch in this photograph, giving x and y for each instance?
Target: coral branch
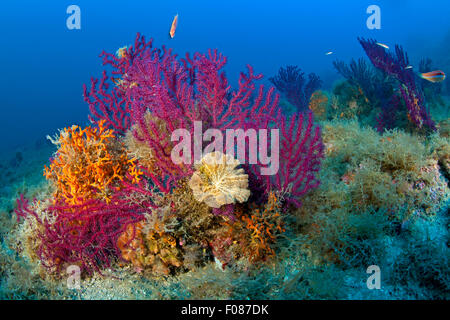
(84, 234)
(292, 83)
(108, 105)
(301, 151)
(396, 65)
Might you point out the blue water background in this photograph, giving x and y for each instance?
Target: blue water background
(44, 65)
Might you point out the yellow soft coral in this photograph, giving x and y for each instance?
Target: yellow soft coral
(217, 181)
(88, 163)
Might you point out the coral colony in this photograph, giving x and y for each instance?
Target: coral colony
(128, 191)
(397, 65)
(292, 83)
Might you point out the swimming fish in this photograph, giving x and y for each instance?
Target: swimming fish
(433, 76)
(328, 53)
(173, 28)
(382, 45)
(409, 67)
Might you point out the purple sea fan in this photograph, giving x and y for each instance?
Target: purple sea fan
(396, 65)
(301, 152)
(165, 93)
(178, 96)
(292, 83)
(387, 118)
(107, 101)
(371, 81)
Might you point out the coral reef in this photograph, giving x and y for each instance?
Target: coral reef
(388, 95)
(121, 200)
(396, 65)
(395, 173)
(345, 196)
(370, 81)
(349, 101)
(138, 148)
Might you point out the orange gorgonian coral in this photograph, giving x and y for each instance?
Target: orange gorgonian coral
(256, 232)
(88, 164)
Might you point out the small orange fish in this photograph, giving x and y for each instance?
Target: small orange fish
(173, 28)
(433, 76)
